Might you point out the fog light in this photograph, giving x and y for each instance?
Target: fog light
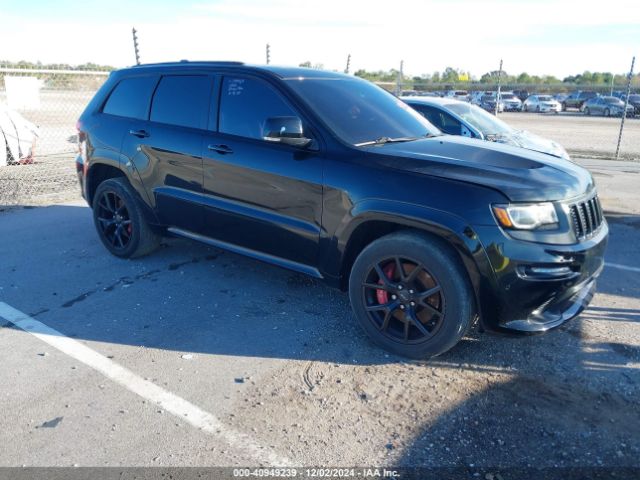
(545, 273)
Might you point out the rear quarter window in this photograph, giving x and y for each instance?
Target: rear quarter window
(130, 98)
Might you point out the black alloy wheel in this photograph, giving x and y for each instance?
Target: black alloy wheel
(403, 299)
(411, 294)
(114, 220)
(120, 218)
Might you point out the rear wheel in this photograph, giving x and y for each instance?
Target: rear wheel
(587, 111)
(538, 108)
(120, 220)
(564, 107)
(411, 295)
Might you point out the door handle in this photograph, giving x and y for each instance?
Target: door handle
(220, 148)
(139, 133)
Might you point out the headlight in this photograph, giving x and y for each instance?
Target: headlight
(526, 216)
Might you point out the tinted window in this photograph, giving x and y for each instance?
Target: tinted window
(245, 105)
(441, 119)
(182, 100)
(429, 113)
(131, 97)
(358, 111)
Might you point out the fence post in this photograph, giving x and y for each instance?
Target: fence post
(626, 102)
(135, 45)
(346, 70)
(268, 54)
(498, 92)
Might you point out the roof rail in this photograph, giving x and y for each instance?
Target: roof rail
(182, 62)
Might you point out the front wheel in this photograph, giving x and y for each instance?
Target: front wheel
(411, 295)
(587, 111)
(120, 220)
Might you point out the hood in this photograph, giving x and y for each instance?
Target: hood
(524, 139)
(521, 175)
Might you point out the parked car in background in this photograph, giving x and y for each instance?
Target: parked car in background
(488, 103)
(476, 96)
(460, 118)
(560, 97)
(541, 103)
(461, 95)
(576, 99)
(407, 93)
(18, 138)
(511, 102)
(634, 99)
(607, 106)
(522, 94)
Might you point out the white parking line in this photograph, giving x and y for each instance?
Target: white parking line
(622, 267)
(179, 407)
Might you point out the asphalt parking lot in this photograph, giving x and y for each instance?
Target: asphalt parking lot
(198, 357)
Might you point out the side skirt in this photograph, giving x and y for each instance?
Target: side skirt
(279, 262)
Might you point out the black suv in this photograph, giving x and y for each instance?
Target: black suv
(329, 175)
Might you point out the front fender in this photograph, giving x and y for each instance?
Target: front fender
(454, 230)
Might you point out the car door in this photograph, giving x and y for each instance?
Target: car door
(262, 196)
(167, 148)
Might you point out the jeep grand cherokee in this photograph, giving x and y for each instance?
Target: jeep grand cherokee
(329, 175)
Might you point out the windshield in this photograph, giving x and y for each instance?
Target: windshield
(477, 117)
(507, 96)
(545, 98)
(612, 100)
(358, 111)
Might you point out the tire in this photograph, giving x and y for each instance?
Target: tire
(607, 113)
(538, 108)
(439, 298)
(120, 220)
(564, 107)
(525, 108)
(587, 111)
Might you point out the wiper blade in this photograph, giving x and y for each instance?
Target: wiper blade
(384, 140)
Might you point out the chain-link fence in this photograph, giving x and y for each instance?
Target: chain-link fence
(38, 114)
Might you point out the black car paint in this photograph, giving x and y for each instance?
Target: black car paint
(305, 209)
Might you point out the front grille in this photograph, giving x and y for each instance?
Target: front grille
(586, 217)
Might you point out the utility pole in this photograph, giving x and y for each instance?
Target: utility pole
(626, 103)
(612, 77)
(399, 79)
(346, 70)
(498, 92)
(135, 45)
(268, 54)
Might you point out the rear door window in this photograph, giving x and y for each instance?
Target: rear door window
(182, 100)
(131, 97)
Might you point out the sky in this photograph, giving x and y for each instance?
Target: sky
(561, 37)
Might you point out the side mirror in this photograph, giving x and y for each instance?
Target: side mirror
(287, 130)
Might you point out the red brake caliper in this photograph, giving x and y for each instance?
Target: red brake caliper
(381, 295)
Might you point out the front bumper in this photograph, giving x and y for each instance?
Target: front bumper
(549, 108)
(536, 287)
